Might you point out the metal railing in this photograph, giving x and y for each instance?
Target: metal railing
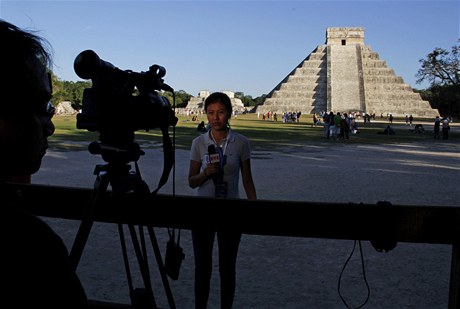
(382, 223)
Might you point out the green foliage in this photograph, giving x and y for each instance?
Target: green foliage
(248, 100)
(259, 100)
(444, 98)
(442, 69)
(68, 91)
(182, 98)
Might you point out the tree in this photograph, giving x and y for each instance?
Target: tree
(441, 69)
(181, 97)
(260, 100)
(246, 99)
(444, 99)
(68, 91)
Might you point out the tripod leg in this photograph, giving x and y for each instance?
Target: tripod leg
(145, 299)
(161, 268)
(78, 246)
(125, 257)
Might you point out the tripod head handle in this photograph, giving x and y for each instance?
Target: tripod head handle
(99, 148)
(116, 155)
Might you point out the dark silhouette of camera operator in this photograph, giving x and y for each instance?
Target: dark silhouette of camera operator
(36, 270)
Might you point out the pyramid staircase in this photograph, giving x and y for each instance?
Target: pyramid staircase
(343, 76)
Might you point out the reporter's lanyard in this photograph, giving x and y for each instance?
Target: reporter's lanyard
(221, 150)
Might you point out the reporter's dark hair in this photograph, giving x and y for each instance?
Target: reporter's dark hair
(219, 97)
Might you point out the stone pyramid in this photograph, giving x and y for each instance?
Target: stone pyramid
(345, 75)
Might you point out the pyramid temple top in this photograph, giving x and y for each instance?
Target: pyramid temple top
(345, 36)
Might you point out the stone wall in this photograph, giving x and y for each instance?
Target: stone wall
(196, 104)
(65, 108)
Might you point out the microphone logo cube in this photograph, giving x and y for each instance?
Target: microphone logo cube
(214, 158)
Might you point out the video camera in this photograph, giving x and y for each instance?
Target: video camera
(121, 102)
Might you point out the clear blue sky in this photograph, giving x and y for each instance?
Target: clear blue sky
(247, 46)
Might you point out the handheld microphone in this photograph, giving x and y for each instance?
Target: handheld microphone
(214, 158)
(213, 155)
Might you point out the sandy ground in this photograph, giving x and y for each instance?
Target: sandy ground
(285, 272)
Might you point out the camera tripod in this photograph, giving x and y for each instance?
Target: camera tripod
(117, 173)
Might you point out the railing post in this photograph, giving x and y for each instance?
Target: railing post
(454, 290)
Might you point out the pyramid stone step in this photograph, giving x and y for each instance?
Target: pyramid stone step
(345, 75)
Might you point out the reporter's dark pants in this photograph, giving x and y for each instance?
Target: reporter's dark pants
(228, 242)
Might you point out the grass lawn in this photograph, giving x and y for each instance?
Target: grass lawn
(264, 135)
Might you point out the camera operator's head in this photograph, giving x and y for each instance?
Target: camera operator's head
(25, 108)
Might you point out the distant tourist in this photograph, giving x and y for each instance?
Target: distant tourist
(388, 131)
(445, 129)
(437, 127)
(201, 127)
